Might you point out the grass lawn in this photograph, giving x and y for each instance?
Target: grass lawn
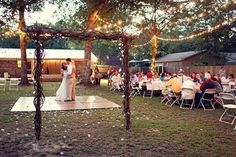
(157, 130)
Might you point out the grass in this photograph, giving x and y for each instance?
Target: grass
(157, 130)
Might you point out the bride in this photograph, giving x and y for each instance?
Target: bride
(61, 94)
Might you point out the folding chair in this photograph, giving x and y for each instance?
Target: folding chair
(164, 95)
(3, 83)
(147, 90)
(187, 95)
(30, 77)
(135, 90)
(229, 103)
(173, 98)
(113, 87)
(218, 100)
(14, 82)
(208, 96)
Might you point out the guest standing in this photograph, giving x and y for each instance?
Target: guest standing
(97, 76)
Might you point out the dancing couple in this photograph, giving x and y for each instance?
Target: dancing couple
(66, 91)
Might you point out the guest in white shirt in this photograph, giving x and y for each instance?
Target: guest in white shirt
(134, 79)
(144, 76)
(116, 80)
(190, 85)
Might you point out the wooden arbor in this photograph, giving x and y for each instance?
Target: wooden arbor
(43, 33)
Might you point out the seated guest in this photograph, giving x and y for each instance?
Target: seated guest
(144, 76)
(134, 79)
(167, 77)
(231, 81)
(199, 78)
(194, 78)
(181, 76)
(149, 75)
(218, 78)
(188, 83)
(218, 87)
(231, 78)
(162, 77)
(116, 80)
(174, 84)
(208, 84)
(222, 71)
(158, 75)
(202, 77)
(140, 76)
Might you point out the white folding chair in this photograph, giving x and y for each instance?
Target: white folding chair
(208, 96)
(147, 91)
(30, 77)
(187, 95)
(229, 103)
(3, 83)
(14, 82)
(173, 98)
(135, 90)
(164, 94)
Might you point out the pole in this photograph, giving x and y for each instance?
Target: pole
(39, 97)
(126, 42)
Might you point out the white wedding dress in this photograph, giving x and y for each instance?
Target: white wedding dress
(62, 92)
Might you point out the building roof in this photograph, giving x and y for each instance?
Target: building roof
(50, 54)
(180, 56)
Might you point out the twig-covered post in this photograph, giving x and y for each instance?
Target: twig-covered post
(126, 42)
(39, 97)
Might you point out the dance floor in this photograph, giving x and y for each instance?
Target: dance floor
(50, 104)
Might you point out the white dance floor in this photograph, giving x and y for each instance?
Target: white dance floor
(50, 104)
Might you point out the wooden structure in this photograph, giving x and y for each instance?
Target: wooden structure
(42, 33)
(175, 61)
(10, 61)
(229, 69)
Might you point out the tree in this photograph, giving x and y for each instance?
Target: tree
(85, 16)
(10, 10)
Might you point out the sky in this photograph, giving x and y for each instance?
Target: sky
(44, 17)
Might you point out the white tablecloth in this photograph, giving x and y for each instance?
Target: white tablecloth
(152, 85)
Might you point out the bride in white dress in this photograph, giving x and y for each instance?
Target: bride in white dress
(61, 94)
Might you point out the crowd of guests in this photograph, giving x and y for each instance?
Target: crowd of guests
(198, 81)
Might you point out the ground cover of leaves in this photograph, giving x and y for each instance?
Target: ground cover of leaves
(157, 130)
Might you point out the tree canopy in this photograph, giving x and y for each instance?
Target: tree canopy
(174, 19)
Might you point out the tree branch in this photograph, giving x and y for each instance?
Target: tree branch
(48, 33)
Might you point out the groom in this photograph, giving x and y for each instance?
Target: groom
(70, 80)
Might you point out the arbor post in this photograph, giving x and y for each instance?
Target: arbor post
(126, 42)
(39, 96)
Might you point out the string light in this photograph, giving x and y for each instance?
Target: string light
(107, 24)
(141, 45)
(224, 6)
(209, 30)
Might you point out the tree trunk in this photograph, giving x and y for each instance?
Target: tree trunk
(126, 102)
(88, 50)
(24, 79)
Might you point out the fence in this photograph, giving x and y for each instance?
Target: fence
(229, 69)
